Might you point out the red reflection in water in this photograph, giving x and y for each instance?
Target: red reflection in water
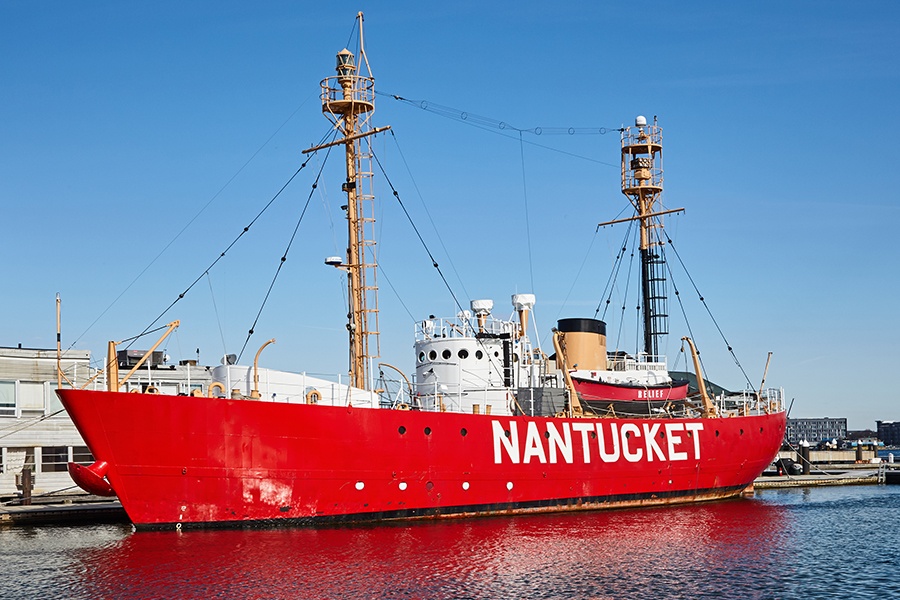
(685, 551)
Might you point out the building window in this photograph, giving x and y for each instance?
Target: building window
(7, 398)
(53, 403)
(54, 459)
(81, 455)
(31, 399)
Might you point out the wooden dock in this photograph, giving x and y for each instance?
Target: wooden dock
(851, 477)
(82, 512)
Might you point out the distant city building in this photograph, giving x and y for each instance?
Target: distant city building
(889, 432)
(816, 430)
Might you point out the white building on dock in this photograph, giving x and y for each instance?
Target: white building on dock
(35, 431)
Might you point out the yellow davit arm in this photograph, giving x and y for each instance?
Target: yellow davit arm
(709, 409)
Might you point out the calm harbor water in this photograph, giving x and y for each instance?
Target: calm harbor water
(795, 543)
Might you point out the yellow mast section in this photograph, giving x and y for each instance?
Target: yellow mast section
(348, 100)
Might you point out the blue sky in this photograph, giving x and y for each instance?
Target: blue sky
(138, 139)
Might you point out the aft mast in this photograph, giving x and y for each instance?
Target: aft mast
(348, 100)
(642, 183)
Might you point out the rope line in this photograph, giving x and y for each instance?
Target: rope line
(434, 262)
(499, 127)
(428, 214)
(286, 250)
(189, 223)
(234, 241)
(709, 312)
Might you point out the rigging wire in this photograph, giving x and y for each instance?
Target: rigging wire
(614, 274)
(234, 241)
(525, 203)
(396, 293)
(216, 311)
(22, 425)
(587, 255)
(428, 213)
(284, 255)
(434, 263)
(709, 312)
(499, 127)
(189, 223)
(625, 298)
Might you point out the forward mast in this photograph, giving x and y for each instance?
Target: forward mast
(348, 100)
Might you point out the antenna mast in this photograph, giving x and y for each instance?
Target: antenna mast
(348, 100)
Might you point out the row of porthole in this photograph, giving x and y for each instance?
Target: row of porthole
(402, 431)
(464, 432)
(447, 354)
(360, 485)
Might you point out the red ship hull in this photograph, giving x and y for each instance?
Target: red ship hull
(183, 461)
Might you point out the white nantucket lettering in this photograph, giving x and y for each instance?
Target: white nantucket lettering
(562, 443)
(550, 441)
(533, 446)
(614, 436)
(501, 441)
(695, 429)
(584, 428)
(652, 445)
(674, 439)
(626, 451)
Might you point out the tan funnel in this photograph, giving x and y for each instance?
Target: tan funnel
(584, 342)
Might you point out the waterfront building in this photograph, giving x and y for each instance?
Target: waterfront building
(816, 430)
(37, 434)
(889, 432)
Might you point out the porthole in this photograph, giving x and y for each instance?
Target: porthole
(428, 431)
(506, 432)
(402, 486)
(432, 355)
(496, 354)
(662, 435)
(401, 430)
(742, 432)
(421, 357)
(463, 353)
(446, 354)
(463, 432)
(509, 485)
(760, 429)
(479, 354)
(717, 433)
(547, 434)
(429, 486)
(465, 485)
(360, 485)
(593, 435)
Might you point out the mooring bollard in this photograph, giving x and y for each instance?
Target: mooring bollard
(803, 456)
(27, 484)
